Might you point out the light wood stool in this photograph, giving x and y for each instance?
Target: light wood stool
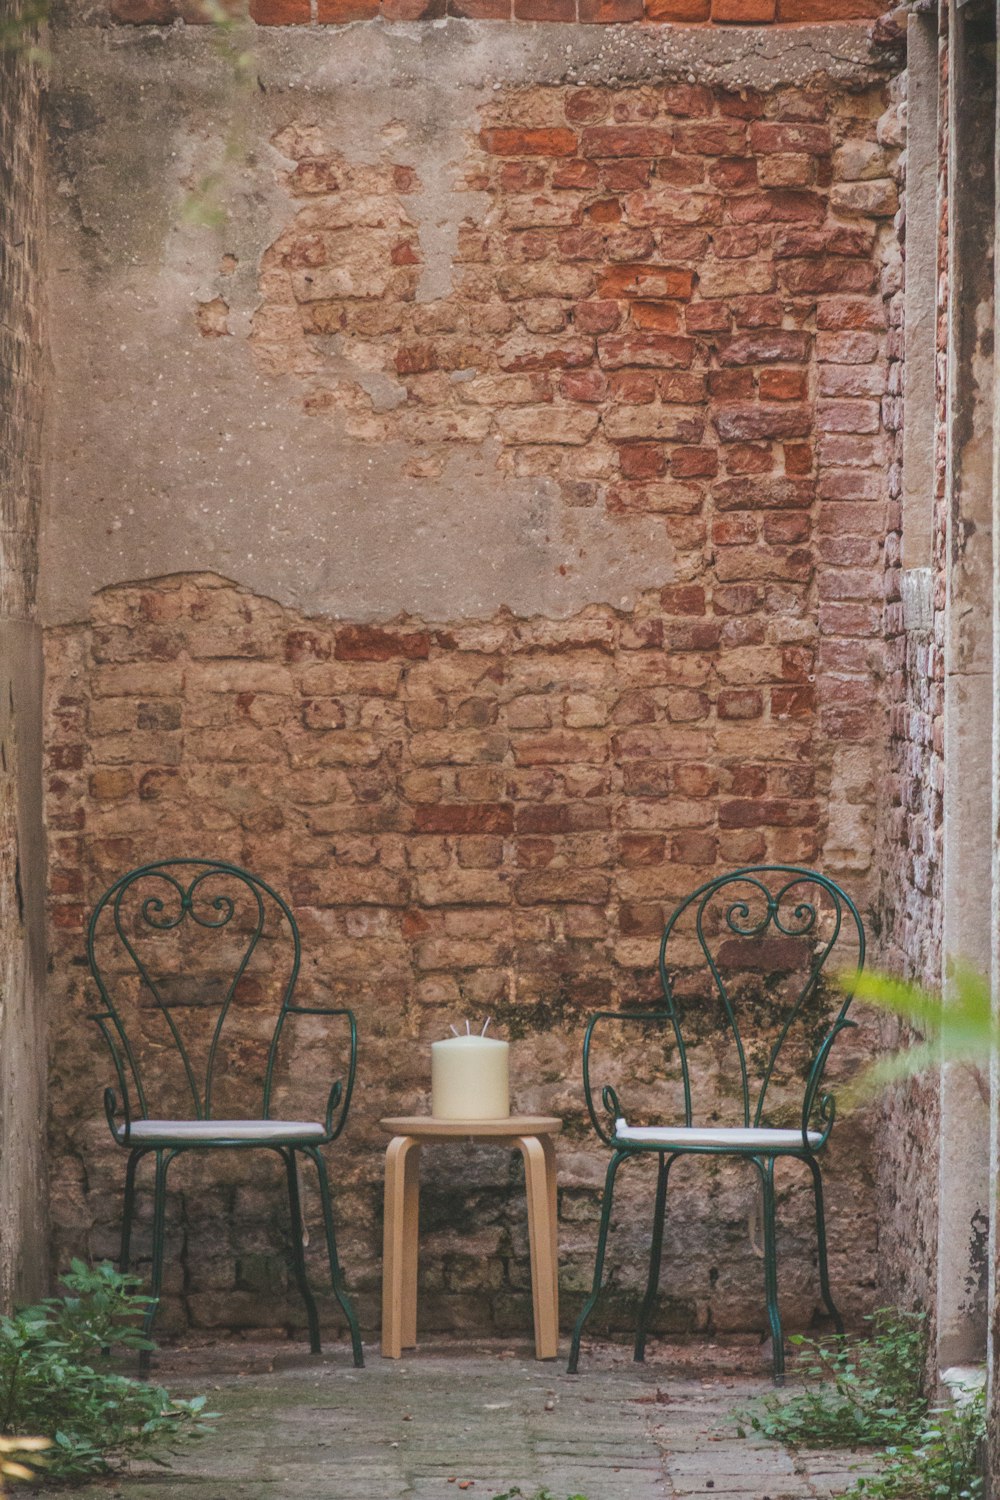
(529, 1134)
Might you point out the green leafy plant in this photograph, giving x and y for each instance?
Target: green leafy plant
(957, 1027)
(859, 1393)
(55, 1379)
(867, 1393)
(943, 1462)
(518, 1494)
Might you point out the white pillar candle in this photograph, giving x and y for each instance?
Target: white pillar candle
(470, 1079)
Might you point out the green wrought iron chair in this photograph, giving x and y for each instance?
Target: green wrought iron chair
(178, 949)
(771, 929)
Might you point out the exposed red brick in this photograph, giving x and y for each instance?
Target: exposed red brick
(814, 140)
(642, 461)
(799, 458)
(782, 206)
(625, 140)
(280, 12)
(609, 12)
(654, 349)
(642, 848)
(553, 141)
(646, 281)
(743, 10)
(605, 211)
(677, 10)
(750, 420)
(731, 385)
(586, 105)
(469, 817)
(693, 463)
(683, 599)
(782, 385)
(339, 12)
(596, 317)
(369, 643)
(545, 10)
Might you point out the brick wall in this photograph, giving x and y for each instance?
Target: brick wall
(669, 304)
(607, 12)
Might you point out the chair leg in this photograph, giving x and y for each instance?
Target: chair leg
(336, 1275)
(128, 1210)
(824, 1273)
(766, 1170)
(298, 1255)
(602, 1241)
(655, 1256)
(163, 1160)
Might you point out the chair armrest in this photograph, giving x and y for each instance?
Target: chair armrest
(826, 1102)
(123, 1119)
(609, 1099)
(339, 1098)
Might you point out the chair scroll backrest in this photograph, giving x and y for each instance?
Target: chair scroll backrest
(756, 942)
(177, 948)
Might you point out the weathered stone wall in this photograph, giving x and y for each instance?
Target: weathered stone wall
(538, 424)
(598, 12)
(910, 823)
(22, 853)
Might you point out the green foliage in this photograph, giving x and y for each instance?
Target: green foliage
(958, 1027)
(861, 1393)
(943, 1462)
(518, 1494)
(55, 1379)
(867, 1394)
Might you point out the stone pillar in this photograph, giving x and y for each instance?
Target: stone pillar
(22, 848)
(964, 1187)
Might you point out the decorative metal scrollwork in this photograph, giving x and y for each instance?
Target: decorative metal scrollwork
(738, 918)
(153, 906)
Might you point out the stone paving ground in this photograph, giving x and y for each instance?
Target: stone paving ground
(477, 1419)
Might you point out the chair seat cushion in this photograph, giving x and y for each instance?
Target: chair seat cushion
(682, 1136)
(207, 1132)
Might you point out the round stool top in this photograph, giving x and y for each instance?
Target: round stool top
(427, 1125)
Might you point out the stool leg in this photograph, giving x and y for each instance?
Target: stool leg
(399, 1246)
(411, 1244)
(552, 1196)
(544, 1273)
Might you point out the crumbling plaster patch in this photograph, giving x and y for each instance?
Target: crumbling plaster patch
(172, 452)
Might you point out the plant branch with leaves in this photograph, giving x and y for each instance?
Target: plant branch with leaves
(55, 1379)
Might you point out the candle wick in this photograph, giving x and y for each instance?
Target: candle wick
(467, 1030)
(455, 1030)
(488, 1020)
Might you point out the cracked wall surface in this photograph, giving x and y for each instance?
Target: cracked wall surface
(478, 532)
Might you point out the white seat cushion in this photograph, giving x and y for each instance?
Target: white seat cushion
(713, 1135)
(207, 1131)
